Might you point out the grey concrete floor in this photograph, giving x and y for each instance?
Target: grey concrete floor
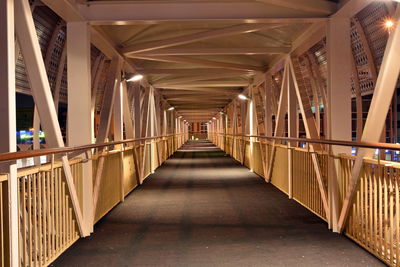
(201, 208)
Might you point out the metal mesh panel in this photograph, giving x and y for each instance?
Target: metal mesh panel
(371, 19)
(102, 84)
(45, 22)
(362, 64)
(319, 52)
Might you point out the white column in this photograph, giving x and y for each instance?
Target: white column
(80, 117)
(137, 117)
(8, 121)
(118, 119)
(338, 103)
(129, 132)
(292, 128)
(165, 123)
(268, 106)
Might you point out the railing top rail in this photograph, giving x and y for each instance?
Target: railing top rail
(374, 145)
(50, 151)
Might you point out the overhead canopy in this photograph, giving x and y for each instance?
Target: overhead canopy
(201, 55)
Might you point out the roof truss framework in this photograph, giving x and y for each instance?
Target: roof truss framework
(270, 11)
(194, 50)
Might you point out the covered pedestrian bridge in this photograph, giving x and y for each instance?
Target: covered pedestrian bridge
(199, 133)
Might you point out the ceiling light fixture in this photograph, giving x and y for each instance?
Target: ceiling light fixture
(243, 97)
(136, 77)
(171, 108)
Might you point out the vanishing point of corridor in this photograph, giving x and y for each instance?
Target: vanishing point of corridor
(201, 208)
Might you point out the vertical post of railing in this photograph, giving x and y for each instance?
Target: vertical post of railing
(8, 127)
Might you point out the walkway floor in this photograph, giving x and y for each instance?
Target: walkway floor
(201, 208)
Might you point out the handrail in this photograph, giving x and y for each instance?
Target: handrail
(375, 145)
(48, 151)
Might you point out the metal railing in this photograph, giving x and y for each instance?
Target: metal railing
(47, 225)
(374, 220)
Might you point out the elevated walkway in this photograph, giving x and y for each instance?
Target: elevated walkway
(201, 208)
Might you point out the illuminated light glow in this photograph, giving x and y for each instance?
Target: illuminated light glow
(135, 78)
(179, 117)
(214, 118)
(171, 108)
(243, 97)
(389, 24)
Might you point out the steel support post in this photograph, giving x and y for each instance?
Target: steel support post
(8, 129)
(80, 120)
(338, 104)
(127, 118)
(268, 105)
(292, 129)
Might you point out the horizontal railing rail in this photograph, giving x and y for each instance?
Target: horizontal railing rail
(10, 156)
(373, 145)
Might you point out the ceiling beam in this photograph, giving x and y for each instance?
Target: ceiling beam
(210, 110)
(217, 51)
(195, 37)
(351, 7)
(167, 81)
(196, 71)
(178, 93)
(199, 106)
(209, 84)
(201, 62)
(202, 89)
(314, 6)
(151, 12)
(65, 9)
(194, 96)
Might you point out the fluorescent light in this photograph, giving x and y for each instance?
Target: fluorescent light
(243, 97)
(171, 108)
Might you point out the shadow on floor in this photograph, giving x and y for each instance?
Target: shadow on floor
(201, 208)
